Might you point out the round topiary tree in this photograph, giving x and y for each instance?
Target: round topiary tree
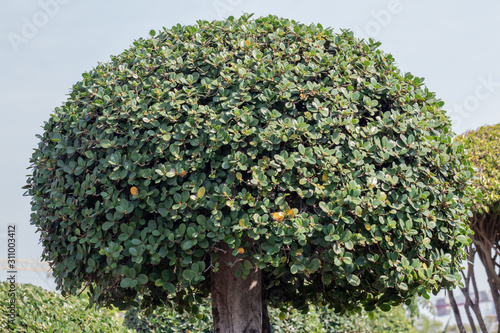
(262, 161)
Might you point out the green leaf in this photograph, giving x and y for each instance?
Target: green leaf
(169, 287)
(247, 264)
(347, 260)
(324, 207)
(188, 274)
(302, 150)
(105, 143)
(449, 277)
(314, 265)
(174, 149)
(361, 261)
(256, 54)
(187, 244)
(385, 307)
(346, 235)
(142, 279)
(191, 232)
(353, 279)
(125, 283)
(107, 225)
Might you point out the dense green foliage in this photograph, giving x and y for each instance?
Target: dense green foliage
(319, 319)
(483, 150)
(39, 310)
(307, 151)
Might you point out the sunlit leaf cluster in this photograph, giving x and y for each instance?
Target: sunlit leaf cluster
(307, 151)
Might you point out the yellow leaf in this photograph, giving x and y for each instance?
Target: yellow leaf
(241, 250)
(325, 177)
(425, 266)
(367, 226)
(238, 176)
(279, 216)
(290, 212)
(183, 173)
(242, 222)
(201, 192)
(247, 42)
(133, 190)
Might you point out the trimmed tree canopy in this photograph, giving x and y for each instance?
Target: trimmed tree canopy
(483, 151)
(306, 151)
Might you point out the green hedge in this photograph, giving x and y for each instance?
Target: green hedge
(318, 319)
(39, 310)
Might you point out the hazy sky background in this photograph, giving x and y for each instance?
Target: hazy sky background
(46, 45)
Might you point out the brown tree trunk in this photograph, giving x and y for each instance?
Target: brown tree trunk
(458, 318)
(238, 305)
(475, 308)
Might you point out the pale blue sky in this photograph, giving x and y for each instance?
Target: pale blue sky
(46, 45)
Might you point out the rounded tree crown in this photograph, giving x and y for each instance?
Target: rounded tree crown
(483, 151)
(306, 151)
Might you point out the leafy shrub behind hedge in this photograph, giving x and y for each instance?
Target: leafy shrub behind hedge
(318, 319)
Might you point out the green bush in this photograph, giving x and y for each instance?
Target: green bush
(39, 310)
(305, 150)
(318, 320)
